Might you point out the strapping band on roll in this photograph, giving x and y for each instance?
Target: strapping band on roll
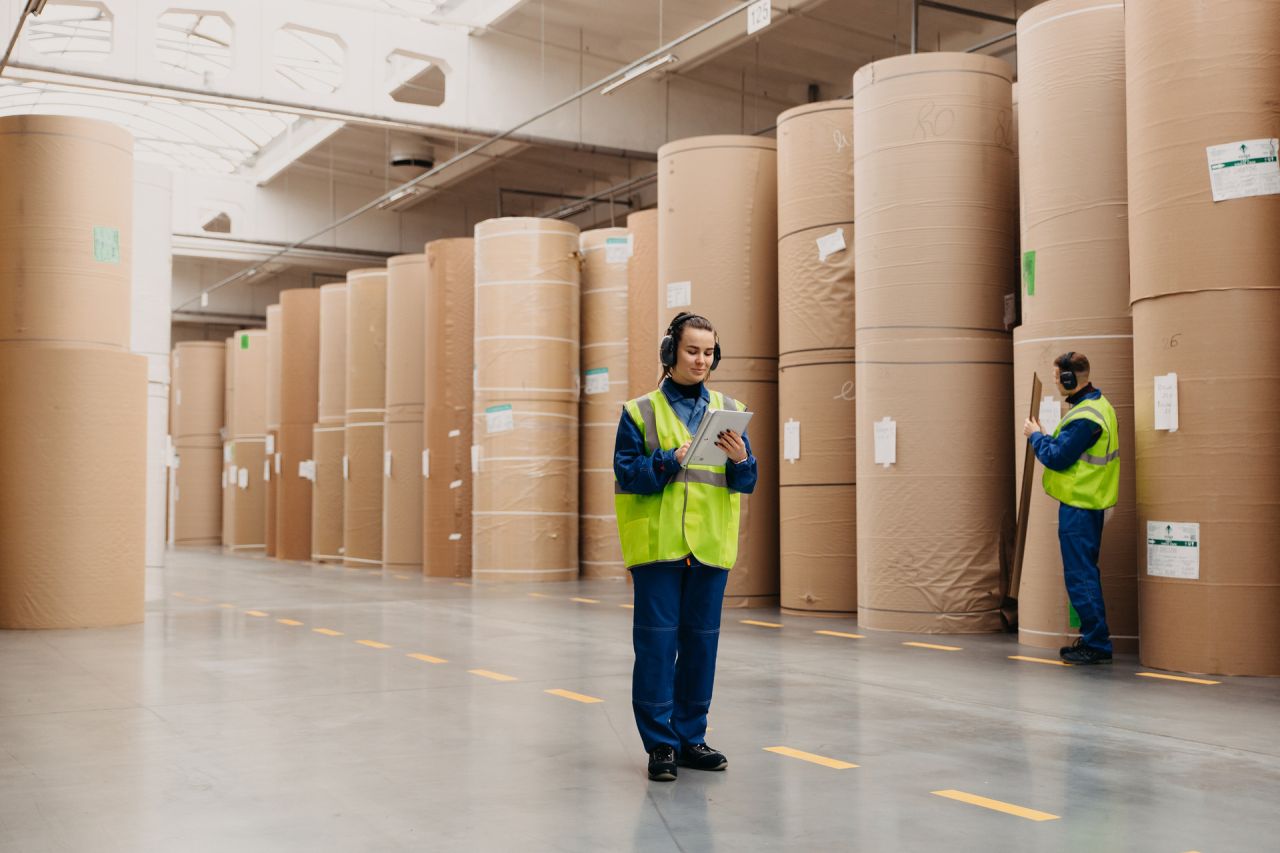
(522, 571)
(555, 232)
(249, 439)
(875, 80)
(328, 429)
(361, 560)
(514, 390)
(525, 282)
(526, 338)
(604, 290)
(922, 363)
(531, 459)
(1074, 338)
(319, 557)
(512, 512)
(366, 411)
(602, 562)
(605, 344)
(1031, 29)
(365, 424)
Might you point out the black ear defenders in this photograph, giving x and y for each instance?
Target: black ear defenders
(1066, 375)
(667, 350)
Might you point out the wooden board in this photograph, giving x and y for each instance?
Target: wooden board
(1024, 497)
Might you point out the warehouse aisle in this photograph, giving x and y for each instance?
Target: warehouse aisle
(285, 706)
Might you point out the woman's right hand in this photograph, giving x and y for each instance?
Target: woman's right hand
(680, 454)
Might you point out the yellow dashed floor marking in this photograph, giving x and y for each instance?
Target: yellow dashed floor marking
(373, 644)
(586, 600)
(460, 583)
(226, 606)
(496, 676)
(257, 613)
(577, 697)
(760, 624)
(628, 606)
(427, 658)
(293, 622)
(996, 805)
(833, 763)
(538, 595)
(1039, 660)
(841, 634)
(1182, 678)
(328, 632)
(933, 646)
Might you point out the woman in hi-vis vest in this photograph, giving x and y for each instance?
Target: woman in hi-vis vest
(679, 531)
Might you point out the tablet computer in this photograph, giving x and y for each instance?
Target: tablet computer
(703, 450)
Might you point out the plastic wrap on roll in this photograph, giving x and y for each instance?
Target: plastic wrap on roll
(66, 231)
(447, 476)
(73, 499)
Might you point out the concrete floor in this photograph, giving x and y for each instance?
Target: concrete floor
(231, 720)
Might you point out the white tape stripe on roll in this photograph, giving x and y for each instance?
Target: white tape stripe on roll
(454, 433)
(532, 282)
(366, 411)
(455, 537)
(244, 547)
(526, 338)
(1075, 338)
(511, 512)
(599, 517)
(328, 429)
(1034, 27)
(605, 344)
(521, 571)
(514, 390)
(530, 458)
(555, 232)
(456, 484)
(378, 424)
(360, 560)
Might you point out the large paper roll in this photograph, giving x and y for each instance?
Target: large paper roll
(196, 497)
(643, 370)
(332, 377)
(196, 394)
(328, 448)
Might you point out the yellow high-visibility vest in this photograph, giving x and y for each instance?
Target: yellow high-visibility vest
(1093, 480)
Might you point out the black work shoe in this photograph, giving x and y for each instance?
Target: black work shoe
(1082, 655)
(699, 756)
(662, 764)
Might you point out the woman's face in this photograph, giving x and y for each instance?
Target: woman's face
(694, 355)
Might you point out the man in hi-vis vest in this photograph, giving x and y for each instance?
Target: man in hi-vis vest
(1082, 473)
(679, 531)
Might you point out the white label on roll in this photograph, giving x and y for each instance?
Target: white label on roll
(617, 250)
(499, 418)
(271, 444)
(456, 484)
(1173, 550)
(886, 432)
(1244, 169)
(831, 244)
(302, 469)
(175, 461)
(475, 459)
(791, 441)
(266, 470)
(455, 537)
(386, 464)
(596, 381)
(224, 478)
(1050, 413)
(455, 433)
(242, 478)
(1167, 402)
(679, 294)
(346, 468)
(426, 464)
(277, 458)
(226, 453)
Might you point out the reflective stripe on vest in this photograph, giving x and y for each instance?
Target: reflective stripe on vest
(695, 513)
(1093, 479)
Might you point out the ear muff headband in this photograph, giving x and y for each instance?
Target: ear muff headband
(1066, 375)
(667, 349)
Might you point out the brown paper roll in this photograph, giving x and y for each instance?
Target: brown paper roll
(228, 493)
(275, 363)
(1218, 471)
(643, 369)
(229, 388)
(328, 448)
(815, 298)
(271, 494)
(525, 521)
(604, 348)
(73, 449)
(332, 377)
(933, 526)
(197, 498)
(815, 168)
(406, 314)
(820, 398)
(300, 356)
(819, 550)
(249, 400)
(1043, 618)
(402, 495)
(1073, 199)
(450, 319)
(366, 343)
(248, 502)
(198, 389)
(293, 492)
(66, 230)
(362, 494)
(1199, 75)
(718, 230)
(527, 310)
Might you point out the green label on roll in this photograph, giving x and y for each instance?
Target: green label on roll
(1029, 272)
(106, 245)
(244, 342)
(1073, 618)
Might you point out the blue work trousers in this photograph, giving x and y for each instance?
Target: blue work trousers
(1080, 536)
(676, 632)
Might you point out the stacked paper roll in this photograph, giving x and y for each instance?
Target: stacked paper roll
(1075, 285)
(362, 462)
(606, 254)
(525, 504)
(449, 322)
(228, 402)
(329, 433)
(402, 458)
(269, 477)
(817, 498)
(718, 257)
(248, 446)
(935, 253)
(73, 413)
(196, 398)
(1204, 212)
(299, 394)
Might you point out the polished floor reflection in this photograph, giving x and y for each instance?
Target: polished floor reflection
(269, 706)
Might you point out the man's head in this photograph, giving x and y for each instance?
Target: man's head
(1071, 372)
(690, 350)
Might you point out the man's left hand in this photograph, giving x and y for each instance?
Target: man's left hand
(1030, 427)
(733, 446)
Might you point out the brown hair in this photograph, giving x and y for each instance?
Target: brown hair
(679, 323)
